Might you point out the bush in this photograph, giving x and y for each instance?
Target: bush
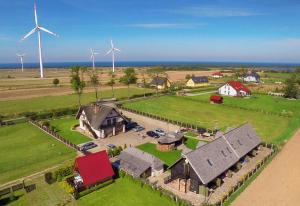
(49, 178)
(63, 172)
(45, 123)
(67, 187)
(55, 82)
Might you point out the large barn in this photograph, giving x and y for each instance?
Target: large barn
(200, 168)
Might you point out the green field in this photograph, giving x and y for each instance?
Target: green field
(47, 103)
(123, 192)
(192, 111)
(64, 128)
(25, 149)
(168, 158)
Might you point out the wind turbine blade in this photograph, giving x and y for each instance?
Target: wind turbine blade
(110, 51)
(29, 34)
(111, 43)
(116, 49)
(47, 31)
(35, 14)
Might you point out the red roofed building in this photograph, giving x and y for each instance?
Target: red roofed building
(94, 168)
(234, 88)
(216, 99)
(217, 75)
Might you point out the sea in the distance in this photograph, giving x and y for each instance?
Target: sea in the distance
(274, 66)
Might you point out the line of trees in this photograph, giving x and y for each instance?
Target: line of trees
(292, 85)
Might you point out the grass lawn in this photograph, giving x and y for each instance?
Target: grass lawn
(190, 110)
(64, 127)
(25, 149)
(167, 157)
(191, 143)
(124, 192)
(55, 102)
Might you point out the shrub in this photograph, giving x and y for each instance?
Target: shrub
(67, 187)
(55, 82)
(63, 172)
(49, 178)
(45, 123)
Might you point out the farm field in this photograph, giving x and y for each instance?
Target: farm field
(195, 112)
(28, 150)
(47, 103)
(123, 192)
(167, 157)
(64, 128)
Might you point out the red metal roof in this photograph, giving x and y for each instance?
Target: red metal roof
(239, 86)
(94, 168)
(216, 98)
(217, 74)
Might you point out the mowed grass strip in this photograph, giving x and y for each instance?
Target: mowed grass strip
(168, 158)
(125, 192)
(64, 128)
(25, 149)
(187, 110)
(56, 102)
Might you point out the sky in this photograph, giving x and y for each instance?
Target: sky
(164, 30)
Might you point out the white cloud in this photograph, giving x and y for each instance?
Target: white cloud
(167, 25)
(211, 11)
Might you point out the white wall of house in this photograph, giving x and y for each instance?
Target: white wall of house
(217, 76)
(155, 173)
(227, 90)
(250, 79)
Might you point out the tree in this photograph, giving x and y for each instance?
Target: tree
(128, 78)
(291, 88)
(156, 72)
(144, 81)
(55, 82)
(77, 82)
(94, 80)
(188, 77)
(112, 82)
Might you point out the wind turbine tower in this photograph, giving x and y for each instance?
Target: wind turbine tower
(21, 59)
(38, 30)
(112, 51)
(93, 53)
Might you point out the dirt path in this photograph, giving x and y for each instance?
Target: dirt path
(279, 183)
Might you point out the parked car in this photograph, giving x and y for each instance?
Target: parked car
(111, 146)
(152, 134)
(160, 132)
(131, 125)
(138, 128)
(88, 146)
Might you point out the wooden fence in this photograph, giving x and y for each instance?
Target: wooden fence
(55, 135)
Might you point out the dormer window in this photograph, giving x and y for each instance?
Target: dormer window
(239, 142)
(223, 153)
(209, 162)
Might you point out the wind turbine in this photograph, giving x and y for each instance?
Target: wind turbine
(93, 53)
(21, 58)
(112, 51)
(38, 29)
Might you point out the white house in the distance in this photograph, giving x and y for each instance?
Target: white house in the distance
(101, 120)
(217, 75)
(252, 76)
(234, 88)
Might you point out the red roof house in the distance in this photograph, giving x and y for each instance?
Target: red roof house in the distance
(217, 75)
(234, 88)
(94, 168)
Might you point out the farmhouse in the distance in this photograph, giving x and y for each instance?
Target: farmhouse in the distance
(140, 164)
(101, 120)
(160, 82)
(217, 75)
(252, 76)
(197, 81)
(204, 167)
(234, 88)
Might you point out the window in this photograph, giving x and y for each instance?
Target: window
(209, 162)
(249, 136)
(228, 149)
(114, 120)
(109, 122)
(240, 142)
(223, 153)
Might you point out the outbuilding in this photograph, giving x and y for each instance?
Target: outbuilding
(216, 99)
(170, 141)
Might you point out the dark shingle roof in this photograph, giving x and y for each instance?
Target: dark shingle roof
(170, 138)
(211, 160)
(136, 162)
(243, 139)
(158, 81)
(200, 79)
(253, 74)
(96, 114)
